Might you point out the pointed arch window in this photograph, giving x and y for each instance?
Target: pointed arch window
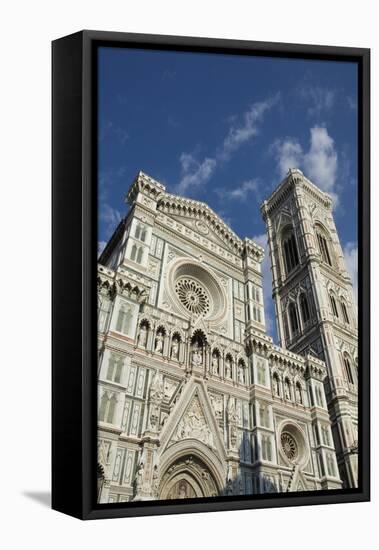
(324, 248)
(134, 252)
(139, 255)
(334, 305)
(137, 231)
(344, 313)
(349, 372)
(264, 415)
(287, 389)
(107, 407)
(115, 367)
(103, 406)
(276, 384)
(261, 371)
(140, 232)
(304, 306)
(290, 253)
(299, 393)
(111, 409)
(294, 321)
(124, 319)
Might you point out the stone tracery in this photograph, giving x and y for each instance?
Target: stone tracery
(188, 332)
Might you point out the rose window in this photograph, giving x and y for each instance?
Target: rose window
(193, 296)
(289, 446)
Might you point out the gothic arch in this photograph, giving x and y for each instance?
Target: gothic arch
(194, 462)
(216, 349)
(276, 382)
(169, 445)
(176, 331)
(348, 363)
(145, 319)
(289, 249)
(345, 308)
(199, 335)
(161, 327)
(324, 243)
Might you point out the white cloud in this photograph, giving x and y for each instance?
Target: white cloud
(261, 240)
(240, 192)
(249, 126)
(289, 154)
(351, 259)
(194, 173)
(320, 99)
(320, 162)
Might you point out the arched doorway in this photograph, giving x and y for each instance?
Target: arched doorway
(187, 477)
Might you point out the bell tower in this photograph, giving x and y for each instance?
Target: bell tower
(315, 306)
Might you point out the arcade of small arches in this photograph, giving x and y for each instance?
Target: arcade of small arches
(195, 351)
(286, 388)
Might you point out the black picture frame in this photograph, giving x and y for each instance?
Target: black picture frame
(74, 205)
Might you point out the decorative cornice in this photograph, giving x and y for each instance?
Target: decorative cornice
(180, 206)
(123, 282)
(294, 177)
(145, 184)
(185, 207)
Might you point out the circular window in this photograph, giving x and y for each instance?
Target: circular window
(195, 289)
(193, 296)
(289, 446)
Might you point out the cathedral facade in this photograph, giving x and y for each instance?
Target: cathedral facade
(194, 398)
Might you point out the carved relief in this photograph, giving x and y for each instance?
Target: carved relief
(193, 425)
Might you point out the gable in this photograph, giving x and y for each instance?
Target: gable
(193, 417)
(203, 229)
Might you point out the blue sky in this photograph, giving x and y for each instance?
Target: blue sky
(224, 130)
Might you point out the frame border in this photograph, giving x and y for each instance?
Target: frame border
(74, 177)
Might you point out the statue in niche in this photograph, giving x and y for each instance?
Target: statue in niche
(142, 337)
(241, 374)
(175, 348)
(277, 386)
(228, 367)
(159, 342)
(287, 390)
(139, 478)
(182, 490)
(197, 356)
(215, 365)
(299, 397)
